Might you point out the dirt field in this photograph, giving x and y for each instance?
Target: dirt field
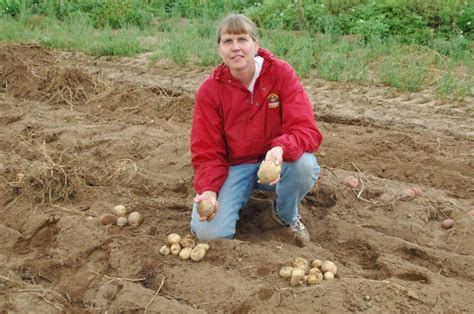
(80, 135)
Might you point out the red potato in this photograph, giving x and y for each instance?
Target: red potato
(447, 223)
(417, 190)
(406, 195)
(351, 182)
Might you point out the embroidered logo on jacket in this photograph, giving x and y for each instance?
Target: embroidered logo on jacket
(273, 101)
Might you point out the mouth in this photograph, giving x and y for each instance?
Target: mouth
(237, 57)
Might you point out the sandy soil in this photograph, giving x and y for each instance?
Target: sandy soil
(80, 135)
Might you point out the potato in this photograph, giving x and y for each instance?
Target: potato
(187, 241)
(285, 272)
(314, 277)
(316, 263)
(351, 182)
(329, 266)
(173, 238)
(122, 221)
(165, 250)
(417, 190)
(205, 208)
(175, 248)
(135, 219)
(299, 262)
(406, 195)
(297, 277)
(108, 219)
(447, 223)
(205, 246)
(119, 210)
(185, 253)
(268, 172)
(198, 253)
(328, 275)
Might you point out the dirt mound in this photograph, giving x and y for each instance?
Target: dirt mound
(69, 86)
(79, 136)
(28, 71)
(19, 73)
(154, 102)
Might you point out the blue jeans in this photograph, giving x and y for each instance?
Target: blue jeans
(297, 179)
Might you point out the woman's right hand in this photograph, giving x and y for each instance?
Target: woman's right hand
(210, 196)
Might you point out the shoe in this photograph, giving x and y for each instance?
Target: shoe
(298, 229)
(300, 232)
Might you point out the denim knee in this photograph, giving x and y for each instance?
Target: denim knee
(306, 168)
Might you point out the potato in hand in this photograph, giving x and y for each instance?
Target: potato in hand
(268, 172)
(205, 208)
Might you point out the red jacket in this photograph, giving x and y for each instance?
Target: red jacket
(233, 126)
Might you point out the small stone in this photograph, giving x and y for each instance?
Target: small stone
(409, 216)
(367, 297)
(369, 305)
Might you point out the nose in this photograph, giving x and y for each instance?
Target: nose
(235, 45)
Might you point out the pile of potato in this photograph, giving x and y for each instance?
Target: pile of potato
(301, 273)
(186, 248)
(119, 217)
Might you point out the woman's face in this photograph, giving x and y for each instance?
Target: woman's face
(238, 51)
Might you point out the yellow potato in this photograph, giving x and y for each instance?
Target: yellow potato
(198, 253)
(187, 241)
(329, 266)
(135, 219)
(205, 208)
(268, 172)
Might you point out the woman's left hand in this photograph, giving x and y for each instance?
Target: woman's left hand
(275, 154)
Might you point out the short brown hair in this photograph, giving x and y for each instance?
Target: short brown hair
(236, 24)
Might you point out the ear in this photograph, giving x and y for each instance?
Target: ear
(257, 46)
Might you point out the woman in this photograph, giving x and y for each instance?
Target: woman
(251, 108)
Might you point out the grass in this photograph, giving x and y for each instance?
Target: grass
(75, 33)
(444, 65)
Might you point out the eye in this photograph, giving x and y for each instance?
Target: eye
(227, 41)
(242, 39)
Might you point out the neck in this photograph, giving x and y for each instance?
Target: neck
(245, 75)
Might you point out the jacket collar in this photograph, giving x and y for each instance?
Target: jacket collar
(222, 71)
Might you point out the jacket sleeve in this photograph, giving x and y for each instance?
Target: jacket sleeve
(299, 130)
(208, 147)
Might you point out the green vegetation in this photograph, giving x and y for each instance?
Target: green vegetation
(409, 44)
